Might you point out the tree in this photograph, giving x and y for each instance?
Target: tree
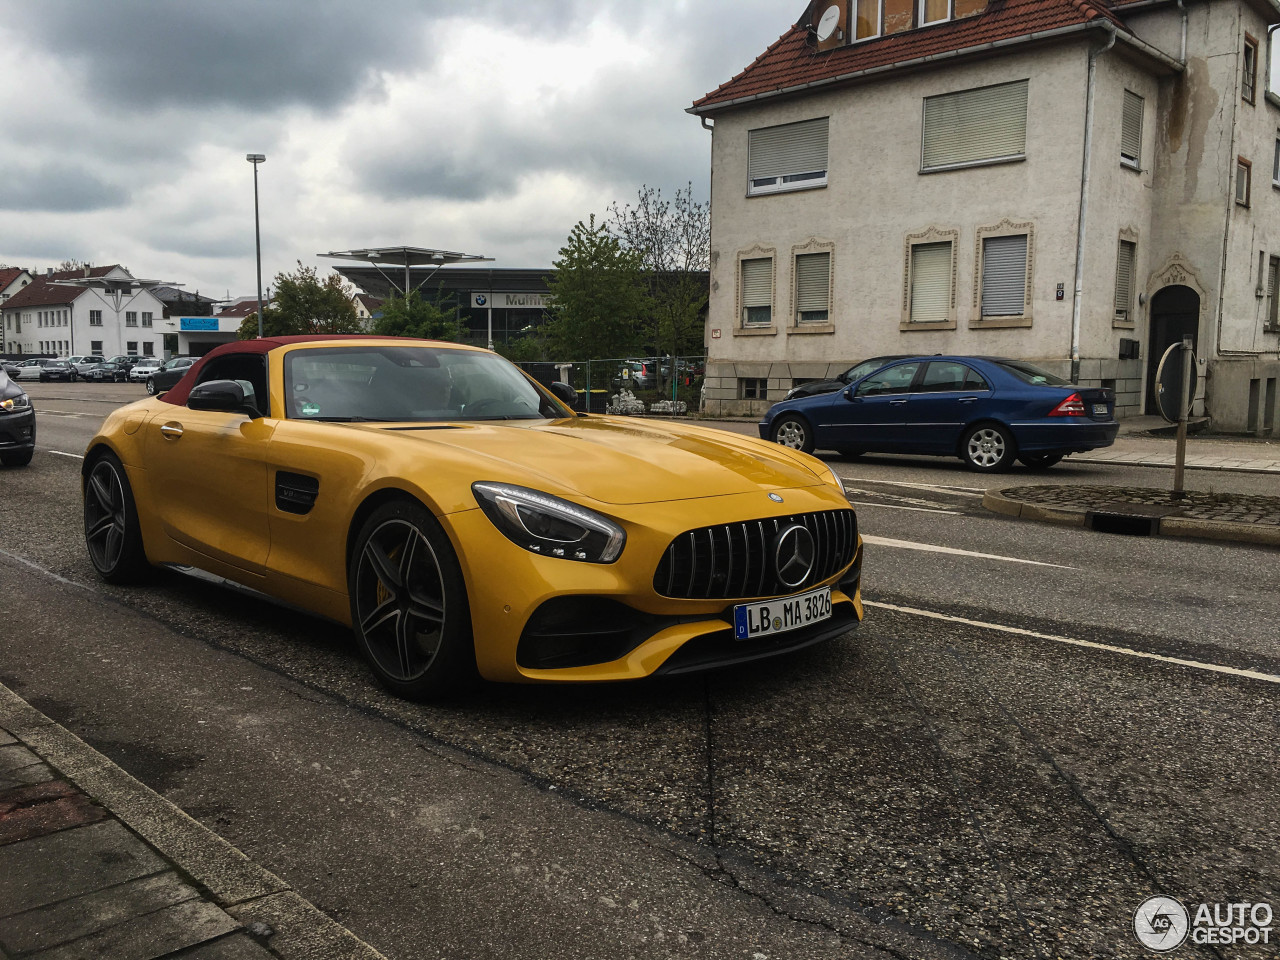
(415, 316)
(305, 304)
(598, 303)
(66, 266)
(673, 241)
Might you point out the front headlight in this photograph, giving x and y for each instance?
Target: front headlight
(833, 477)
(20, 402)
(548, 525)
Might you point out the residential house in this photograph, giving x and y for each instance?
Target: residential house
(12, 279)
(1079, 183)
(111, 316)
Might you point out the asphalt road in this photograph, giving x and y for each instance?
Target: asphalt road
(1003, 761)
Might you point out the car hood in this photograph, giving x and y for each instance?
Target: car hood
(619, 461)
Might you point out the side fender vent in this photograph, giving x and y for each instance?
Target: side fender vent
(296, 492)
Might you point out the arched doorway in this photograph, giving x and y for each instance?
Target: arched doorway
(1175, 313)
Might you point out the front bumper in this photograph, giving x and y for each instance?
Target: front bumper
(18, 431)
(536, 618)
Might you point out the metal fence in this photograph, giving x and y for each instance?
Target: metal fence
(664, 385)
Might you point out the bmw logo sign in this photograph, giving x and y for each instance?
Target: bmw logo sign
(481, 299)
(775, 497)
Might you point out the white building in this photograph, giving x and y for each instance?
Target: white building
(12, 279)
(45, 318)
(1079, 183)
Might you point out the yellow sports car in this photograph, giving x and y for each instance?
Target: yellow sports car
(462, 519)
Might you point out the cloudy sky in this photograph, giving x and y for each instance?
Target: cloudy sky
(487, 126)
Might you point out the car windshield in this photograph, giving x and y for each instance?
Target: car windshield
(393, 383)
(1028, 373)
(858, 371)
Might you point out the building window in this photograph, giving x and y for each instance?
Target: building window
(131, 347)
(881, 17)
(95, 347)
(1249, 69)
(1275, 166)
(131, 318)
(1273, 283)
(757, 292)
(1126, 257)
(1244, 173)
(95, 318)
(753, 388)
(146, 319)
(929, 280)
(1131, 131)
(148, 349)
(813, 287)
(985, 125)
(1004, 276)
(792, 156)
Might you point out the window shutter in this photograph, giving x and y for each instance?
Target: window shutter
(972, 125)
(787, 150)
(1131, 128)
(813, 282)
(930, 282)
(757, 282)
(1124, 279)
(1004, 276)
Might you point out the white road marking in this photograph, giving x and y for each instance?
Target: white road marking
(934, 548)
(74, 456)
(1126, 651)
(59, 413)
(894, 506)
(942, 488)
(35, 566)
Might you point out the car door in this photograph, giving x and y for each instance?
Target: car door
(946, 397)
(872, 413)
(207, 471)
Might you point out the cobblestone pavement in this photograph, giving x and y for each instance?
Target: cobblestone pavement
(1225, 507)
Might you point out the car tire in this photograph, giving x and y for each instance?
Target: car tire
(1039, 461)
(988, 448)
(409, 607)
(16, 459)
(793, 431)
(112, 534)
(151, 387)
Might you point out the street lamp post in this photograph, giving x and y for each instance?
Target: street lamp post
(255, 159)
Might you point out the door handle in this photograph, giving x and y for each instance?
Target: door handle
(171, 431)
(965, 399)
(894, 403)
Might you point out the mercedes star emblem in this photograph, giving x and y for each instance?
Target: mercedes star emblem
(793, 556)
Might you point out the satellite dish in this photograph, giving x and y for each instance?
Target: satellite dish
(827, 25)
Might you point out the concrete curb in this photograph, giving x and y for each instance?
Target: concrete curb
(997, 502)
(230, 879)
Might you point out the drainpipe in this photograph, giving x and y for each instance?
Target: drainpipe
(1084, 200)
(1182, 50)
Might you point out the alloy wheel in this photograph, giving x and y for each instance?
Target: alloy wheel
(106, 520)
(987, 448)
(791, 433)
(400, 602)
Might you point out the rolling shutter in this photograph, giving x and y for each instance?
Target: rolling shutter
(787, 150)
(968, 126)
(930, 282)
(1131, 128)
(757, 290)
(1124, 279)
(1004, 276)
(813, 286)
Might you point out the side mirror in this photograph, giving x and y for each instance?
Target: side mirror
(226, 396)
(848, 393)
(565, 392)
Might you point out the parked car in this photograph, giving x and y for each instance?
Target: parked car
(486, 529)
(637, 375)
(84, 362)
(985, 410)
(170, 372)
(842, 380)
(57, 370)
(144, 368)
(17, 424)
(108, 370)
(10, 368)
(126, 360)
(31, 369)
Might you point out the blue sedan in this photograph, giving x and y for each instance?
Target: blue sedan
(985, 410)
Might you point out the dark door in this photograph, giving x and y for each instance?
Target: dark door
(945, 398)
(1175, 313)
(872, 415)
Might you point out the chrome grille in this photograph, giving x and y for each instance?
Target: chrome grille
(736, 560)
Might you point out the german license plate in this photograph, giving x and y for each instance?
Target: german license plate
(1099, 409)
(763, 619)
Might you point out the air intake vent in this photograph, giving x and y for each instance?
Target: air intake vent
(740, 560)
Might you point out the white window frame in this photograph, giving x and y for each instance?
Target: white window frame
(131, 318)
(1244, 178)
(95, 318)
(781, 173)
(918, 19)
(147, 316)
(1249, 70)
(1005, 228)
(936, 108)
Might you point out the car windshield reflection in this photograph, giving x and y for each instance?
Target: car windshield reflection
(399, 384)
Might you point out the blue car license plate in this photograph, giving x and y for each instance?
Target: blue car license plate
(763, 619)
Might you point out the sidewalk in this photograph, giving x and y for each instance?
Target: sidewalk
(95, 864)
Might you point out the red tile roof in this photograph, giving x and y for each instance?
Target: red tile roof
(41, 293)
(243, 309)
(9, 274)
(793, 62)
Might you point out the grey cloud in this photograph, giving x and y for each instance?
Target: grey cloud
(57, 188)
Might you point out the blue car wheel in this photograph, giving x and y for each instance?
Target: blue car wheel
(794, 432)
(988, 448)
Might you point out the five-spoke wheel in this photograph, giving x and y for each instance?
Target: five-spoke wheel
(111, 531)
(409, 603)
